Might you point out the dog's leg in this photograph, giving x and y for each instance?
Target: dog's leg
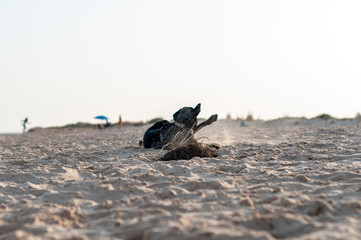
(209, 121)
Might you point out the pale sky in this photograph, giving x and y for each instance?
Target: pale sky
(67, 61)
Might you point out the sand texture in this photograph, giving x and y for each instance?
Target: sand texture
(271, 180)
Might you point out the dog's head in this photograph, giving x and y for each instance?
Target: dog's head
(187, 116)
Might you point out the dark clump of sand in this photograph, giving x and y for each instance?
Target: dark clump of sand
(191, 150)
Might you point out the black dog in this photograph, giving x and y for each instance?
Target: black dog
(169, 135)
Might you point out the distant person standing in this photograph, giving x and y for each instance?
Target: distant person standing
(25, 122)
(120, 123)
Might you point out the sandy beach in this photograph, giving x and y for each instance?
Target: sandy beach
(282, 179)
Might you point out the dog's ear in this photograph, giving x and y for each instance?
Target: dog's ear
(197, 109)
(175, 115)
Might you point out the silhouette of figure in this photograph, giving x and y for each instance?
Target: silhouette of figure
(107, 124)
(120, 123)
(25, 122)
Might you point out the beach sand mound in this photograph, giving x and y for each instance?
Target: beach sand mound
(269, 181)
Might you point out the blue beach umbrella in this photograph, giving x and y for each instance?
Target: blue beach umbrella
(101, 117)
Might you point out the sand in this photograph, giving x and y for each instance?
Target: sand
(284, 179)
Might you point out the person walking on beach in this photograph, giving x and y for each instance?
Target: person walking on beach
(120, 123)
(25, 122)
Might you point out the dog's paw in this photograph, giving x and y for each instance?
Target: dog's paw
(213, 118)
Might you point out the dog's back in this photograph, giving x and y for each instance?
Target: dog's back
(152, 137)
